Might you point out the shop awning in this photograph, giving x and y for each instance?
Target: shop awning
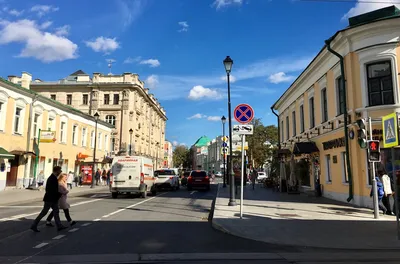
(304, 148)
(107, 160)
(4, 154)
(22, 152)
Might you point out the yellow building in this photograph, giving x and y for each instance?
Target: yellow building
(121, 100)
(72, 140)
(312, 110)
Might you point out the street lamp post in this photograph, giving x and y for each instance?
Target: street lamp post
(96, 119)
(223, 119)
(130, 144)
(228, 62)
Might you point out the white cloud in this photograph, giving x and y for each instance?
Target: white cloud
(175, 143)
(280, 77)
(15, 12)
(218, 4)
(197, 116)
(152, 81)
(184, 26)
(362, 7)
(130, 60)
(41, 10)
(214, 118)
(102, 44)
(151, 62)
(46, 24)
(63, 31)
(232, 78)
(199, 92)
(129, 11)
(44, 46)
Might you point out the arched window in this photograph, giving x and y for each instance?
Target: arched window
(111, 119)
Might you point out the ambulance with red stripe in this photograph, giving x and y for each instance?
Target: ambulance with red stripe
(132, 175)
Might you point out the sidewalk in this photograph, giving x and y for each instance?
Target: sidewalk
(18, 196)
(300, 220)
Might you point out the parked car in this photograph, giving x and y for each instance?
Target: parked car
(198, 179)
(261, 176)
(166, 179)
(218, 174)
(184, 178)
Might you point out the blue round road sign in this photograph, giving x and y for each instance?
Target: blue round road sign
(243, 113)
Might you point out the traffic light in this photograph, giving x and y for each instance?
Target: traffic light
(374, 151)
(362, 133)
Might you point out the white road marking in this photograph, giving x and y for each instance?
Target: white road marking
(73, 230)
(58, 237)
(41, 245)
(192, 192)
(15, 217)
(86, 224)
(96, 220)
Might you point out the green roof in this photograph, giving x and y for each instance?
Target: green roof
(386, 12)
(202, 141)
(4, 154)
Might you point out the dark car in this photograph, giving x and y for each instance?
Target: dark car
(198, 179)
(184, 178)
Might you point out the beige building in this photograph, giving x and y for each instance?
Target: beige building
(23, 113)
(312, 110)
(121, 100)
(168, 155)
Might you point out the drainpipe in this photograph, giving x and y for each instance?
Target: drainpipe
(279, 131)
(28, 139)
(346, 129)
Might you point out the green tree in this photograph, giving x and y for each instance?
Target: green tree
(259, 152)
(181, 156)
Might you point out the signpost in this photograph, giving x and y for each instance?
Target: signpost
(391, 140)
(243, 114)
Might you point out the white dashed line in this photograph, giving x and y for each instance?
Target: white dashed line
(41, 245)
(193, 192)
(96, 220)
(73, 230)
(86, 224)
(58, 237)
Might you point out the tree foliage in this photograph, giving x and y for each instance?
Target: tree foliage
(181, 157)
(259, 152)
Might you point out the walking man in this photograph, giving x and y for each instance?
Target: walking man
(50, 199)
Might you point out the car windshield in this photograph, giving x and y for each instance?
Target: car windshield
(199, 174)
(164, 172)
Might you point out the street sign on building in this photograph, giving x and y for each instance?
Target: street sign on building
(243, 129)
(47, 136)
(243, 113)
(390, 130)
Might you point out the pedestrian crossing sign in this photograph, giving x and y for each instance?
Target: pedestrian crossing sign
(390, 130)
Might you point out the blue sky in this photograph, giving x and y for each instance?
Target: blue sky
(177, 48)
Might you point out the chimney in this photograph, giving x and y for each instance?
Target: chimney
(26, 80)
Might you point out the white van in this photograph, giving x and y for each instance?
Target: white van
(132, 174)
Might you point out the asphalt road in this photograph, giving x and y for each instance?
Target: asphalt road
(157, 229)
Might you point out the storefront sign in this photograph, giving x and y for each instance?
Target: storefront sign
(47, 136)
(334, 143)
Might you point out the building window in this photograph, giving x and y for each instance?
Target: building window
(2, 108)
(301, 118)
(324, 105)
(282, 132)
(62, 132)
(312, 112)
(69, 99)
(112, 144)
(52, 96)
(340, 95)
(328, 168)
(294, 123)
(92, 139)
(100, 144)
(84, 137)
(110, 119)
(106, 99)
(344, 171)
(50, 125)
(74, 136)
(17, 120)
(85, 99)
(287, 127)
(116, 99)
(380, 83)
(106, 142)
(35, 125)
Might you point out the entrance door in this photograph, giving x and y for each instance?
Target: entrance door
(13, 174)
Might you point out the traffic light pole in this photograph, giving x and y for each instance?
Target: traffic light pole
(374, 186)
